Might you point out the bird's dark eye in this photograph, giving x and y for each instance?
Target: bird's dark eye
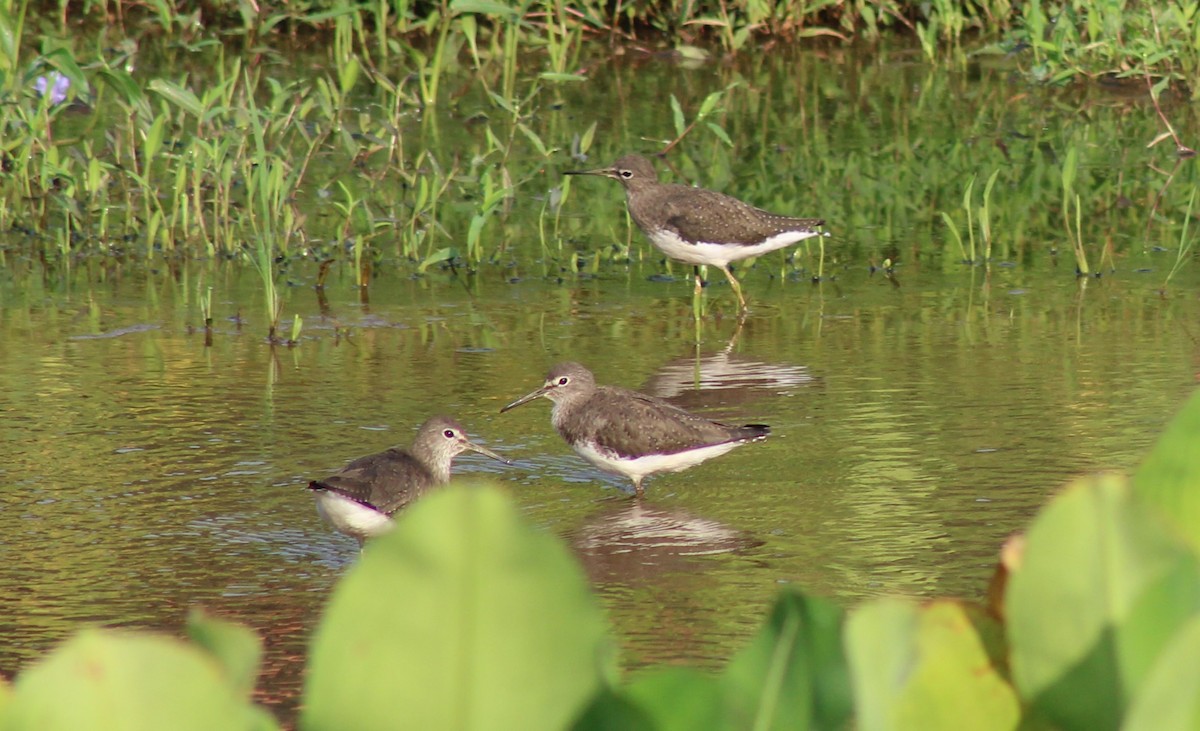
(627, 174)
(563, 381)
(449, 433)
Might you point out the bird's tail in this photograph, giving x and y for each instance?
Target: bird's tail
(753, 431)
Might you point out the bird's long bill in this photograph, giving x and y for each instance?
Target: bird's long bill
(526, 398)
(602, 172)
(484, 450)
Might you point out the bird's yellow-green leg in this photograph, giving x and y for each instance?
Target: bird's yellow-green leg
(737, 288)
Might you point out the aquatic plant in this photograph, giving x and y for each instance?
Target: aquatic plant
(1119, 38)
(155, 166)
(1186, 242)
(1071, 201)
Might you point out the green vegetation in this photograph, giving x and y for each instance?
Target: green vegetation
(433, 134)
(466, 617)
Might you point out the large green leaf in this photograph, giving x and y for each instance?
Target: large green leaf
(1170, 476)
(1100, 590)
(678, 699)
(104, 679)
(235, 647)
(463, 617)
(793, 674)
(926, 667)
(610, 710)
(664, 699)
(1169, 700)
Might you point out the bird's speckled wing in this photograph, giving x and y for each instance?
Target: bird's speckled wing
(386, 481)
(705, 215)
(633, 424)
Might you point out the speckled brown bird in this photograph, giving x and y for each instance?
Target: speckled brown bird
(629, 433)
(361, 499)
(698, 226)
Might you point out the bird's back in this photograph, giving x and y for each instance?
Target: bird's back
(386, 481)
(697, 214)
(631, 424)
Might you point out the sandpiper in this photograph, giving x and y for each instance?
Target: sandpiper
(698, 226)
(360, 500)
(628, 433)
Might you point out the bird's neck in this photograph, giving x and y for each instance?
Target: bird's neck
(440, 471)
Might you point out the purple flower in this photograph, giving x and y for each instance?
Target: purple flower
(56, 83)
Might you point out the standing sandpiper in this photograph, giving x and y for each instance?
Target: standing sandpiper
(361, 499)
(699, 226)
(628, 433)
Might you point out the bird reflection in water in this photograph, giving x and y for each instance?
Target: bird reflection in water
(696, 381)
(634, 542)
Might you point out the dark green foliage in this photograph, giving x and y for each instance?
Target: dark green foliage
(793, 672)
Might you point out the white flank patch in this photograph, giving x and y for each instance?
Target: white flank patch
(350, 516)
(652, 463)
(721, 254)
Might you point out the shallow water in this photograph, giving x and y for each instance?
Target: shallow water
(914, 427)
(917, 420)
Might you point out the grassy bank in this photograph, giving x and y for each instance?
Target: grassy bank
(442, 140)
(1064, 39)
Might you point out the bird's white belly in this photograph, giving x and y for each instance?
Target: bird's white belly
(721, 254)
(351, 517)
(638, 467)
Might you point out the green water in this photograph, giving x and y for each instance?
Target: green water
(917, 420)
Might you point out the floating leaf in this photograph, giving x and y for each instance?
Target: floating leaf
(678, 699)
(1169, 700)
(1100, 590)
(1170, 476)
(926, 667)
(463, 617)
(104, 679)
(234, 646)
